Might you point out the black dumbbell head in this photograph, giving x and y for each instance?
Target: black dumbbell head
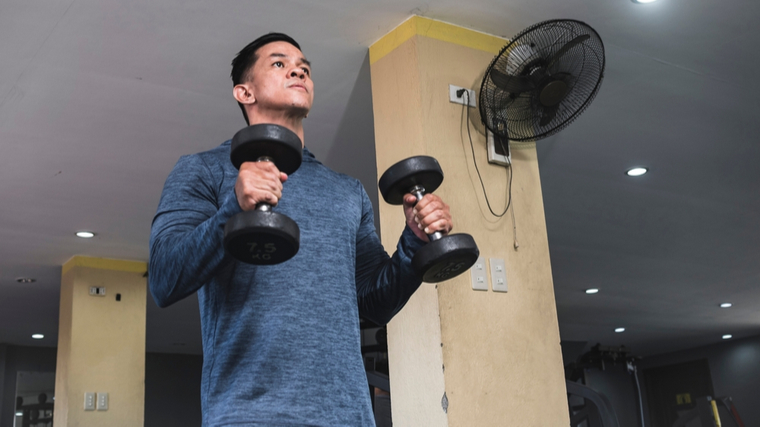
(261, 237)
(445, 258)
(399, 179)
(279, 143)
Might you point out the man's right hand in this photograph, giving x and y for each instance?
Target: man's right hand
(258, 182)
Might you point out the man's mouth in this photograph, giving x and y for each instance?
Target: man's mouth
(302, 87)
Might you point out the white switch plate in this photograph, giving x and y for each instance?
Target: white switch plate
(102, 401)
(98, 291)
(469, 96)
(498, 275)
(479, 275)
(89, 401)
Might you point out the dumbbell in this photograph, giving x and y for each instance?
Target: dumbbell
(446, 256)
(262, 236)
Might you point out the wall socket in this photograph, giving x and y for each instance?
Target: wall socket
(469, 96)
(498, 275)
(97, 291)
(89, 401)
(479, 275)
(102, 401)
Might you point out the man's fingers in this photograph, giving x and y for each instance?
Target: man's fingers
(258, 182)
(430, 204)
(444, 226)
(432, 215)
(435, 221)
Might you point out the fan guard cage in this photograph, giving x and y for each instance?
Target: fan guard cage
(519, 115)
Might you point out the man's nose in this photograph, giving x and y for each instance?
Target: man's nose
(298, 73)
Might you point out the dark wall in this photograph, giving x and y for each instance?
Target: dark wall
(735, 371)
(172, 390)
(3, 351)
(32, 359)
(734, 368)
(618, 385)
(172, 384)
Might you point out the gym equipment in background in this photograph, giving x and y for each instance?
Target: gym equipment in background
(707, 411)
(596, 410)
(542, 80)
(587, 405)
(262, 236)
(446, 256)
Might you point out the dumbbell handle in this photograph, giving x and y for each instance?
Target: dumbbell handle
(263, 206)
(418, 191)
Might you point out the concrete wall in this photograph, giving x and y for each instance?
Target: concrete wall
(101, 342)
(496, 356)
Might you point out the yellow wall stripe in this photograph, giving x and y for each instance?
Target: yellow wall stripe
(105, 264)
(417, 25)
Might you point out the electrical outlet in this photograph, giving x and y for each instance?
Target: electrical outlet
(89, 401)
(98, 291)
(102, 401)
(479, 277)
(498, 275)
(468, 96)
(495, 147)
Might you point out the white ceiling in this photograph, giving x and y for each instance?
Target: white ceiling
(98, 99)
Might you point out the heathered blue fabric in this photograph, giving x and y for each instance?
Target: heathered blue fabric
(281, 343)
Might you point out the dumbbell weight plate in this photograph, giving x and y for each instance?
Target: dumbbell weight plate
(261, 237)
(279, 143)
(401, 177)
(445, 258)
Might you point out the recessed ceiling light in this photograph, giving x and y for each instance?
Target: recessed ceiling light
(25, 280)
(643, 1)
(85, 234)
(619, 330)
(19, 414)
(592, 291)
(726, 305)
(636, 171)
(727, 336)
(38, 336)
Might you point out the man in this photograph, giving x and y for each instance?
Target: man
(281, 343)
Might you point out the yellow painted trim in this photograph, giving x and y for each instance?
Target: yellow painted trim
(417, 25)
(104, 264)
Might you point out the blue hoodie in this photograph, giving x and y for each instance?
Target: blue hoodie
(281, 343)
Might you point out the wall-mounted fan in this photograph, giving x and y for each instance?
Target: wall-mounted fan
(542, 80)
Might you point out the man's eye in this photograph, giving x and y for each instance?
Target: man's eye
(278, 64)
(307, 71)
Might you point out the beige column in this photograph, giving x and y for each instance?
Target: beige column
(460, 357)
(101, 342)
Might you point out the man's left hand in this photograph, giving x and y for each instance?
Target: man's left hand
(427, 216)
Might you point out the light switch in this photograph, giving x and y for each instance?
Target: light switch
(102, 401)
(498, 275)
(89, 401)
(478, 274)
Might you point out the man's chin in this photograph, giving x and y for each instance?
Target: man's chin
(299, 110)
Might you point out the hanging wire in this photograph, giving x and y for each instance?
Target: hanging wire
(509, 172)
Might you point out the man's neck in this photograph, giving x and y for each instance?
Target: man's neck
(295, 124)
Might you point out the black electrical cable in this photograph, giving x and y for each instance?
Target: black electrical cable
(472, 147)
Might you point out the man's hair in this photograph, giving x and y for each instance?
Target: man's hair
(246, 58)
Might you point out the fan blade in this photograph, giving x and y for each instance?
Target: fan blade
(569, 45)
(548, 115)
(511, 84)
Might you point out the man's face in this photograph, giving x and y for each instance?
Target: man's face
(281, 79)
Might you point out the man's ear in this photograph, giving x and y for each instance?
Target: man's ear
(243, 94)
